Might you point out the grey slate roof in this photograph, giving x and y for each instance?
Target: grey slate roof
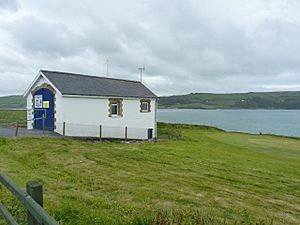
(79, 84)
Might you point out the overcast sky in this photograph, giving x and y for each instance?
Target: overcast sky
(189, 45)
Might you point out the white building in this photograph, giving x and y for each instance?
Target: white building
(90, 106)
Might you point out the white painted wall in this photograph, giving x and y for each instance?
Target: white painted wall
(84, 115)
(58, 116)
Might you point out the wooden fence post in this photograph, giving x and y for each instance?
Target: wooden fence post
(17, 129)
(35, 190)
(64, 128)
(100, 132)
(32, 200)
(126, 133)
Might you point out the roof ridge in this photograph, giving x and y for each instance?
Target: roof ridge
(87, 75)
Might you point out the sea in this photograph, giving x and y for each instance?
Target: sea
(278, 122)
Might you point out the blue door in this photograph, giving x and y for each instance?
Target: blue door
(44, 108)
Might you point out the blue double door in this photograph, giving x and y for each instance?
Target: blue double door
(43, 109)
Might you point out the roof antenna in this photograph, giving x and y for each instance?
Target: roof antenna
(107, 64)
(142, 69)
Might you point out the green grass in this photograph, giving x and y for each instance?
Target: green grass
(12, 116)
(202, 176)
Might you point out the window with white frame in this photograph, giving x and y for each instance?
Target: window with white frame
(145, 105)
(115, 107)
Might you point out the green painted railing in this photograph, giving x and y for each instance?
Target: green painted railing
(32, 200)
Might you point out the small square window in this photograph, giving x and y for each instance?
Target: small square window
(115, 107)
(145, 105)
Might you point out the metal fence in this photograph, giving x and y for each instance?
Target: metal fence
(85, 130)
(104, 131)
(12, 128)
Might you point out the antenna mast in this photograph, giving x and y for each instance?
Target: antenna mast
(142, 69)
(107, 67)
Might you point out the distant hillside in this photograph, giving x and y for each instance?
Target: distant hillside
(16, 101)
(252, 100)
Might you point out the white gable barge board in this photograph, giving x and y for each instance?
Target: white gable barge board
(37, 82)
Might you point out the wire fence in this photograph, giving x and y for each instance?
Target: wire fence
(10, 129)
(9, 124)
(83, 130)
(104, 131)
(19, 123)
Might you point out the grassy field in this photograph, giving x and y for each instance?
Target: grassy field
(204, 176)
(11, 116)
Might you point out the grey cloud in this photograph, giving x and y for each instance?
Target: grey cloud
(102, 39)
(9, 5)
(189, 46)
(37, 36)
(56, 39)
